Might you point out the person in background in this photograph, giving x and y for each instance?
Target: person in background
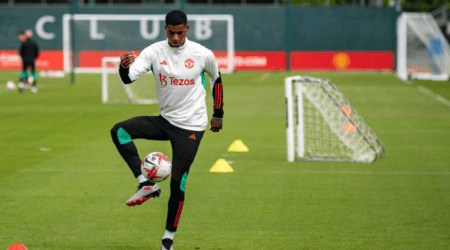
(28, 51)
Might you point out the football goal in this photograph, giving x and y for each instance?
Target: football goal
(114, 91)
(323, 126)
(87, 38)
(422, 50)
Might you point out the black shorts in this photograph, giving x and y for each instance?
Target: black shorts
(184, 142)
(28, 64)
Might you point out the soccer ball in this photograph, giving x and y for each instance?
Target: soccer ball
(10, 85)
(30, 79)
(156, 167)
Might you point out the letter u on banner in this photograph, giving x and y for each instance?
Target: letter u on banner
(144, 29)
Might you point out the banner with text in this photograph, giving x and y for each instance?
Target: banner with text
(342, 60)
(47, 60)
(53, 60)
(243, 60)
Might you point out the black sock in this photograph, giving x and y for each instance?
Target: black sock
(176, 202)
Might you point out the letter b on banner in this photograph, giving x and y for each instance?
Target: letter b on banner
(203, 29)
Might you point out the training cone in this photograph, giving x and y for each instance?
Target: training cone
(221, 166)
(349, 127)
(237, 146)
(17, 246)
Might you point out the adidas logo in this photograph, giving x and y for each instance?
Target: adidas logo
(192, 137)
(163, 62)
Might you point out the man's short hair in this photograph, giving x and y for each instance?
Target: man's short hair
(176, 17)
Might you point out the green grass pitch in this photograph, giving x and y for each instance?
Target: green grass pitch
(63, 184)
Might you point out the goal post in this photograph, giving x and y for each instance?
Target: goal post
(423, 51)
(109, 35)
(114, 91)
(321, 125)
(294, 101)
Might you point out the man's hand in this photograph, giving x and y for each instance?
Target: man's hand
(216, 124)
(127, 59)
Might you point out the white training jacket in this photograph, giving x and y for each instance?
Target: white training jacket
(180, 81)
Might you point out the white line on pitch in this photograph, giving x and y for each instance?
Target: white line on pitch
(71, 170)
(362, 172)
(272, 172)
(434, 95)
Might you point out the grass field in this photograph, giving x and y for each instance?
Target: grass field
(63, 184)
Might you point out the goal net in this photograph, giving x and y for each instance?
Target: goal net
(327, 127)
(114, 91)
(89, 37)
(422, 50)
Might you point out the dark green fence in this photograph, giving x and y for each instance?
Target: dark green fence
(258, 28)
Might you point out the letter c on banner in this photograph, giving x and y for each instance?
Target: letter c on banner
(40, 27)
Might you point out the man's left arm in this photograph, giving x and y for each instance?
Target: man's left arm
(212, 69)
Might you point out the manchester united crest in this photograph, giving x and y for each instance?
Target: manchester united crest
(189, 63)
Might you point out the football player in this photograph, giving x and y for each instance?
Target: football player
(178, 66)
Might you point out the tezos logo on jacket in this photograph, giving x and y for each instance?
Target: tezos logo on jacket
(163, 80)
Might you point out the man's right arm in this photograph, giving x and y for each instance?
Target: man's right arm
(126, 60)
(132, 67)
(123, 72)
(21, 50)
